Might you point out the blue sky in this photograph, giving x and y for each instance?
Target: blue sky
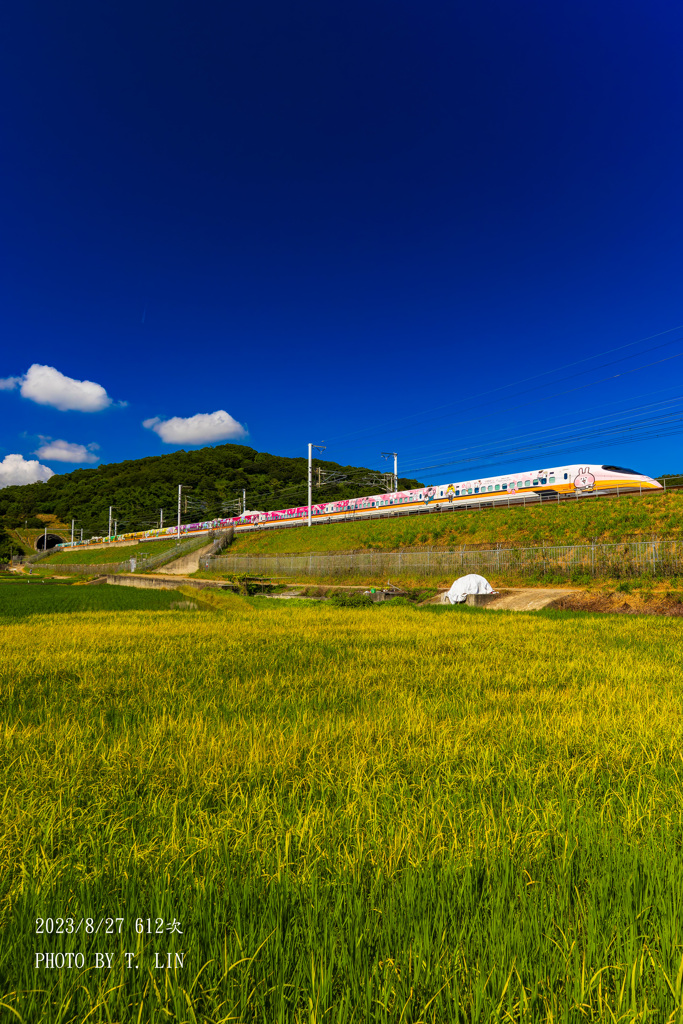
(447, 230)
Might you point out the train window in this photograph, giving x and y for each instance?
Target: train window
(490, 487)
(535, 483)
(457, 494)
(543, 480)
(497, 487)
(620, 469)
(552, 479)
(527, 483)
(505, 487)
(520, 483)
(566, 475)
(476, 490)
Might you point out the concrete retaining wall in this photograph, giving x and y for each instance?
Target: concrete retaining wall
(159, 583)
(186, 564)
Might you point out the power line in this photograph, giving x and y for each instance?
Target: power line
(537, 376)
(567, 391)
(604, 405)
(545, 448)
(530, 434)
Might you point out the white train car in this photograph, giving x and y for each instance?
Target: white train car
(508, 489)
(511, 488)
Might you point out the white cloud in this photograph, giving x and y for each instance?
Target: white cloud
(47, 386)
(200, 429)
(15, 469)
(65, 451)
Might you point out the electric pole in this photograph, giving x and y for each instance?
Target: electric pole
(244, 501)
(180, 498)
(73, 521)
(161, 518)
(109, 534)
(318, 448)
(387, 455)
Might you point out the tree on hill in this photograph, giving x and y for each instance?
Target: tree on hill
(213, 480)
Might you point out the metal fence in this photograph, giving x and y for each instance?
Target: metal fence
(223, 539)
(632, 558)
(40, 555)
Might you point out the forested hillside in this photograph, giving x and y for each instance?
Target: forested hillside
(213, 480)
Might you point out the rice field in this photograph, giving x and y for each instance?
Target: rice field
(18, 600)
(286, 812)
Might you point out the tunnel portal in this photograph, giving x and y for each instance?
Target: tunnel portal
(44, 543)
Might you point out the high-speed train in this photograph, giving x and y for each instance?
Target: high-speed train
(510, 489)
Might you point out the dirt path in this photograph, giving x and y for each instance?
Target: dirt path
(528, 599)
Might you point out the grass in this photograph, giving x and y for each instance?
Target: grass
(603, 519)
(429, 583)
(18, 600)
(110, 553)
(353, 815)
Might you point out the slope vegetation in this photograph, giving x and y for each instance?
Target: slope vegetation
(601, 519)
(111, 553)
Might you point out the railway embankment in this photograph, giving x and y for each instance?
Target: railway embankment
(585, 544)
(614, 519)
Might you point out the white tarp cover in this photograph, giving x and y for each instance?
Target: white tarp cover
(471, 584)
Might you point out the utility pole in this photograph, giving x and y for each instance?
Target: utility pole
(73, 521)
(387, 455)
(244, 500)
(109, 534)
(161, 518)
(45, 540)
(81, 533)
(180, 498)
(318, 448)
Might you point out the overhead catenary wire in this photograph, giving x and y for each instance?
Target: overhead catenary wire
(567, 391)
(604, 416)
(543, 451)
(514, 384)
(546, 434)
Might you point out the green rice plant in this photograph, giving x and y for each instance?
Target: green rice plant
(36, 598)
(395, 816)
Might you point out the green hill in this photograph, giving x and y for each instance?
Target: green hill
(213, 480)
(601, 519)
